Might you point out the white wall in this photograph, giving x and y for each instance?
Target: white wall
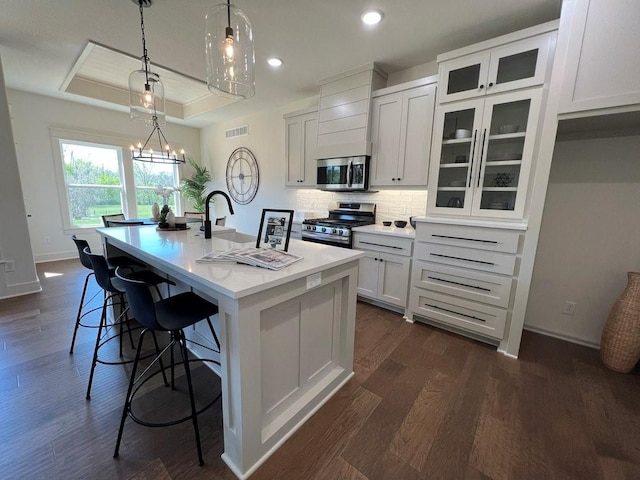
(14, 232)
(33, 116)
(590, 236)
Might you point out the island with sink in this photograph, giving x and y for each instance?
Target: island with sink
(287, 336)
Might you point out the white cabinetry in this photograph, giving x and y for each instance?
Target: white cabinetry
(516, 64)
(301, 132)
(483, 170)
(602, 65)
(462, 277)
(384, 270)
(401, 126)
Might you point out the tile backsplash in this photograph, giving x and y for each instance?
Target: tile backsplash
(390, 204)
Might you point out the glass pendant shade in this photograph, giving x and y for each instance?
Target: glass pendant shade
(229, 52)
(146, 96)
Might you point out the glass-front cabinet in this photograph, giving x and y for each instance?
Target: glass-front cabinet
(516, 65)
(482, 156)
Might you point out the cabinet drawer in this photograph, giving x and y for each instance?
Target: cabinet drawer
(471, 237)
(382, 243)
(472, 316)
(462, 282)
(486, 261)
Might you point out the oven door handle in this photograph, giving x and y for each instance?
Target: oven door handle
(350, 173)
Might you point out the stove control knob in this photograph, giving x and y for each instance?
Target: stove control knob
(333, 230)
(340, 232)
(323, 230)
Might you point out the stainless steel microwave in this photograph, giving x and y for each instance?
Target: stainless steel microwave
(344, 174)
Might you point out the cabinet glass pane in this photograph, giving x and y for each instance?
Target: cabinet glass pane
(457, 146)
(516, 67)
(463, 79)
(505, 146)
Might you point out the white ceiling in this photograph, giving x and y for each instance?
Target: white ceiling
(41, 40)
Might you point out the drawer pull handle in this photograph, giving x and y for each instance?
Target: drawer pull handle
(466, 239)
(457, 313)
(380, 245)
(461, 284)
(463, 259)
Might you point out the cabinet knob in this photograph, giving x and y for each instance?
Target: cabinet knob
(490, 84)
(393, 179)
(481, 86)
(398, 179)
(380, 259)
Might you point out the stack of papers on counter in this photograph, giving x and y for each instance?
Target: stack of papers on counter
(260, 257)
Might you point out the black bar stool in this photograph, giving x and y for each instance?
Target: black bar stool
(114, 296)
(171, 315)
(113, 263)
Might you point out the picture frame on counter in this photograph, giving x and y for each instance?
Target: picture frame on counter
(275, 229)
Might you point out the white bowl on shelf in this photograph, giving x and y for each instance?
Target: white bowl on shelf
(504, 129)
(463, 133)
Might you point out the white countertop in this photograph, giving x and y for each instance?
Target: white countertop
(474, 222)
(177, 251)
(407, 232)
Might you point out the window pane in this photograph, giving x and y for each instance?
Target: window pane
(88, 204)
(88, 169)
(148, 177)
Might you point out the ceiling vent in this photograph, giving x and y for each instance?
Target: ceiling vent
(237, 131)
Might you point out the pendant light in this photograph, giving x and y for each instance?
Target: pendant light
(229, 52)
(146, 92)
(146, 102)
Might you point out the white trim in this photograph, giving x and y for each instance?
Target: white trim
(405, 86)
(55, 257)
(560, 336)
(19, 289)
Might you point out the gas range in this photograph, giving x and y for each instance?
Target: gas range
(336, 228)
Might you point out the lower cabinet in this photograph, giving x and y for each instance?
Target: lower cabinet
(463, 276)
(384, 276)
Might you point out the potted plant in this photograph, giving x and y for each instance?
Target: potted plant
(194, 188)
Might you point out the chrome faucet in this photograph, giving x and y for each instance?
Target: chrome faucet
(207, 217)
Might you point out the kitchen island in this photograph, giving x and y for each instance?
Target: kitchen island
(286, 336)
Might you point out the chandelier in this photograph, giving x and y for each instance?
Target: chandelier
(147, 105)
(229, 52)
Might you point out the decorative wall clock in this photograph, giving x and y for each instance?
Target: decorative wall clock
(243, 177)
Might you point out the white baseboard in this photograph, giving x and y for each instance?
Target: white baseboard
(22, 289)
(54, 257)
(560, 336)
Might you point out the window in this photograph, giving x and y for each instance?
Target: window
(96, 177)
(93, 181)
(147, 178)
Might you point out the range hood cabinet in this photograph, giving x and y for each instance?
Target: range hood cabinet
(344, 113)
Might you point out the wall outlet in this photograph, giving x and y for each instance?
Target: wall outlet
(10, 266)
(569, 308)
(46, 240)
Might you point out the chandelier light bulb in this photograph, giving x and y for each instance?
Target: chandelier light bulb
(274, 62)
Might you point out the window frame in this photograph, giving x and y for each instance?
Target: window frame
(128, 188)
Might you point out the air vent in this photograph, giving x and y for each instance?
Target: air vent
(237, 132)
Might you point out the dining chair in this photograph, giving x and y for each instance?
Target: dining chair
(124, 223)
(173, 315)
(115, 216)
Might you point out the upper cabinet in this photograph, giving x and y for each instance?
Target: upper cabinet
(518, 64)
(301, 133)
(602, 65)
(482, 155)
(401, 125)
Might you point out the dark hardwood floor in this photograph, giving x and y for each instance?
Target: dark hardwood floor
(424, 404)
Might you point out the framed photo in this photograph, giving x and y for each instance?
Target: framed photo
(275, 229)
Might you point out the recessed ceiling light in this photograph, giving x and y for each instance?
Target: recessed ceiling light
(274, 62)
(371, 18)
